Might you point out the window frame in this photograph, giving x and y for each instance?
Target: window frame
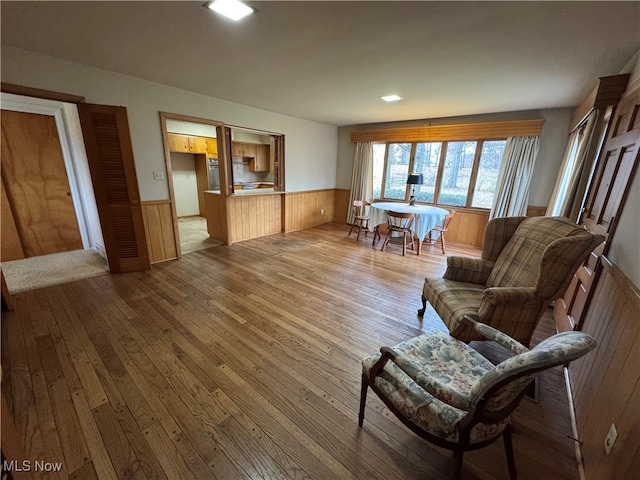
(475, 167)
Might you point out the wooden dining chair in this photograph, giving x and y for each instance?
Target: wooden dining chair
(400, 223)
(441, 229)
(360, 217)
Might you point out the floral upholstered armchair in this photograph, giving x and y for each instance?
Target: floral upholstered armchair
(526, 263)
(449, 394)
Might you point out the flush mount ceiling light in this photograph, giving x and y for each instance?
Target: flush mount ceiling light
(391, 98)
(233, 9)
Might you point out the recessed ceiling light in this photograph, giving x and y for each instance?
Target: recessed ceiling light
(391, 98)
(233, 9)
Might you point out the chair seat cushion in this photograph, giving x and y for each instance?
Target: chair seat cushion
(452, 299)
(450, 361)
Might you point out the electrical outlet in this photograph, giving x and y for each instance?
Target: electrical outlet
(158, 175)
(322, 211)
(611, 439)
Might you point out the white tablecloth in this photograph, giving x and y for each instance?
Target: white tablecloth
(427, 216)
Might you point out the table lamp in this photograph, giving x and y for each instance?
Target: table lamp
(414, 179)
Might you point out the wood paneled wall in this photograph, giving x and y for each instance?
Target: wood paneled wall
(467, 227)
(216, 214)
(253, 216)
(341, 205)
(158, 226)
(534, 211)
(305, 209)
(606, 383)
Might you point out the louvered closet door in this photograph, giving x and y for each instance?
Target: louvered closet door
(106, 135)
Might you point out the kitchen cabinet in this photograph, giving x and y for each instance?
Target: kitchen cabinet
(243, 149)
(212, 147)
(261, 162)
(187, 143)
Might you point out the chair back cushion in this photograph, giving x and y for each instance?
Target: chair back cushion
(516, 372)
(519, 262)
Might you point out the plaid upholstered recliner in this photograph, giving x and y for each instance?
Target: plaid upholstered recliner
(526, 263)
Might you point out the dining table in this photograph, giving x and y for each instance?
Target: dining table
(426, 217)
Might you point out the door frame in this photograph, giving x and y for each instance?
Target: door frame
(75, 161)
(164, 116)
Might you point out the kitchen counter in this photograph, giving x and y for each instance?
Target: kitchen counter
(255, 191)
(252, 191)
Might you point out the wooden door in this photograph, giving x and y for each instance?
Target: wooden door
(37, 189)
(605, 198)
(106, 135)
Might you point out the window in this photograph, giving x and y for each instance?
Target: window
(379, 151)
(398, 159)
(487, 176)
(427, 160)
(456, 173)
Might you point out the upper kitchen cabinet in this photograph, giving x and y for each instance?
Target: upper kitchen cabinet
(243, 149)
(212, 147)
(261, 162)
(187, 143)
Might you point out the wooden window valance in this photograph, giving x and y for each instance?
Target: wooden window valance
(464, 131)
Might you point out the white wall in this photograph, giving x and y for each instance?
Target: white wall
(553, 140)
(185, 187)
(190, 128)
(310, 147)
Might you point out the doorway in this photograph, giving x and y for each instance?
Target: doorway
(50, 227)
(193, 169)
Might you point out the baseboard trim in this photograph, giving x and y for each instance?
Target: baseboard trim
(574, 427)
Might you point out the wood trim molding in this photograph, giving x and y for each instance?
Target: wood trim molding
(606, 91)
(466, 131)
(39, 93)
(155, 202)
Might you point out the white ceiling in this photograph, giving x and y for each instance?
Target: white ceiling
(330, 61)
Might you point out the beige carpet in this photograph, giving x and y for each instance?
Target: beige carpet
(193, 234)
(47, 270)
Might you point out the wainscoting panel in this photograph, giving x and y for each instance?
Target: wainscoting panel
(307, 209)
(158, 226)
(606, 383)
(341, 205)
(253, 216)
(216, 214)
(467, 227)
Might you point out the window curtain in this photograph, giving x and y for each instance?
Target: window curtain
(567, 189)
(362, 178)
(512, 192)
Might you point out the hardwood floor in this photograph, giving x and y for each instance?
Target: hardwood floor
(243, 361)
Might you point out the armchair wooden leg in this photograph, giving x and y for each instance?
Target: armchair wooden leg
(363, 401)
(508, 448)
(457, 464)
(424, 306)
